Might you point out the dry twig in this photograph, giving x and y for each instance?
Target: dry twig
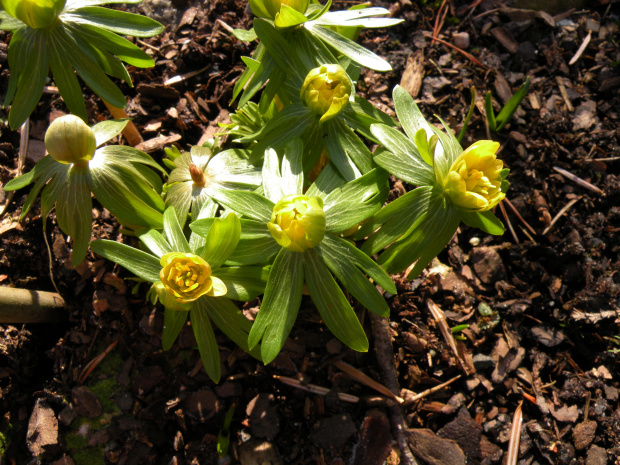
(560, 213)
(313, 388)
(428, 392)
(581, 49)
(368, 381)
(90, 366)
(512, 231)
(515, 437)
(577, 180)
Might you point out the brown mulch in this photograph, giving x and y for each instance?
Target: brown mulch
(541, 303)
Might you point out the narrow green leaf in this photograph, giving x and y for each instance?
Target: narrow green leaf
(249, 204)
(174, 321)
(121, 22)
(74, 212)
(485, 221)
(333, 306)
(347, 47)
(289, 17)
(337, 257)
(73, 4)
(207, 345)
(328, 180)
(65, 78)
(58, 177)
(243, 282)
(280, 305)
(174, 233)
(256, 244)
(231, 321)
(279, 182)
(8, 23)
(512, 105)
(356, 201)
(42, 168)
(155, 242)
(403, 159)
(394, 220)
(142, 264)
(245, 36)
(106, 130)
(279, 48)
(222, 240)
(489, 112)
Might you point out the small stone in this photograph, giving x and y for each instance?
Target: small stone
(64, 460)
(333, 346)
(334, 431)
(434, 450)
(596, 456)
(461, 40)
(611, 393)
(201, 405)
(487, 264)
(86, 403)
(264, 417)
(583, 434)
(482, 362)
(255, 452)
(42, 433)
(67, 415)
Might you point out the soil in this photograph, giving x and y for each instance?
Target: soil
(541, 301)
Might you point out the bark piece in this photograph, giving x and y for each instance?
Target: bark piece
(434, 450)
(255, 452)
(334, 431)
(42, 433)
(264, 417)
(375, 442)
(583, 434)
(201, 405)
(86, 403)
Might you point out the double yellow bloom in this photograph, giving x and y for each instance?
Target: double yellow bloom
(186, 277)
(475, 178)
(298, 222)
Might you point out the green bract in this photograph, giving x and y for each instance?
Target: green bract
(80, 35)
(190, 280)
(453, 186)
(199, 174)
(344, 205)
(70, 140)
(116, 175)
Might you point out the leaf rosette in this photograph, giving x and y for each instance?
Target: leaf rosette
(313, 255)
(64, 36)
(453, 185)
(118, 176)
(191, 281)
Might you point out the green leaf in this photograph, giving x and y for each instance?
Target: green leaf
(88, 69)
(174, 321)
(333, 306)
(257, 55)
(174, 233)
(142, 264)
(74, 212)
(423, 242)
(403, 159)
(279, 182)
(347, 47)
(280, 305)
(207, 345)
(249, 204)
(155, 242)
(43, 168)
(73, 4)
(208, 210)
(31, 52)
(489, 112)
(394, 220)
(289, 17)
(486, 221)
(8, 23)
(243, 282)
(358, 17)
(114, 44)
(343, 259)
(222, 240)
(346, 151)
(356, 201)
(121, 22)
(245, 36)
(231, 321)
(328, 180)
(65, 78)
(106, 130)
(511, 106)
(256, 244)
(58, 179)
(279, 48)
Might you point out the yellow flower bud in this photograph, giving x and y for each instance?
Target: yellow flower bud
(188, 277)
(70, 140)
(270, 8)
(326, 91)
(474, 181)
(298, 222)
(35, 13)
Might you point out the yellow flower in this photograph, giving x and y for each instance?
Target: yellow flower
(35, 13)
(326, 91)
(298, 222)
(188, 277)
(270, 8)
(475, 178)
(70, 140)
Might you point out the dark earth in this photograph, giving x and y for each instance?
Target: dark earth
(541, 302)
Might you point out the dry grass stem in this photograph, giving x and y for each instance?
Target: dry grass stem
(581, 49)
(577, 180)
(428, 392)
(560, 213)
(313, 388)
(515, 436)
(368, 381)
(90, 366)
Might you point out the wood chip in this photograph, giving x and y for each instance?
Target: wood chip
(157, 143)
(413, 75)
(505, 38)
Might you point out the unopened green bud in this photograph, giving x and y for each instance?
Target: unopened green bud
(270, 8)
(326, 91)
(298, 222)
(35, 13)
(70, 140)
